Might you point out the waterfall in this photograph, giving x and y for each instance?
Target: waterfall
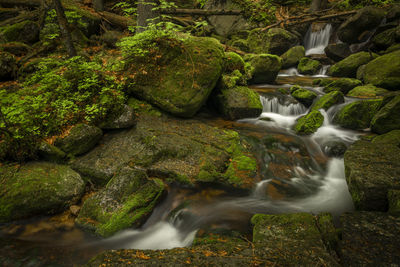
(315, 42)
(272, 105)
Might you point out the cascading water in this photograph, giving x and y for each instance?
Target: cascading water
(273, 105)
(315, 42)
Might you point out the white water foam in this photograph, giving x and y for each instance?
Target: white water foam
(272, 105)
(315, 42)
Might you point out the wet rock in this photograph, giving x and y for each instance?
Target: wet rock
(384, 40)
(15, 48)
(308, 66)
(328, 100)
(228, 81)
(180, 76)
(238, 102)
(357, 115)
(392, 137)
(125, 119)
(126, 202)
(348, 67)
(304, 96)
(51, 153)
(181, 151)
(275, 41)
(360, 72)
(25, 32)
(394, 202)
(292, 239)
(343, 85)
(292, 57)
(371, 170)
(233, 62)
(365, 19)
(388, 117)
(263, 68)
(392, 48)
(37, 188)
(81, 139)
(8, 66)
(334, 148)
(370, 239)
(309, 123)
(323, 81)
(338, 52)
(367, 91)
(384, 71)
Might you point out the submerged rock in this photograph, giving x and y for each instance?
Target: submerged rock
(126, 202)
(367, 91)
(343, 85)
(292, 57)
(348, 66)
(81, 139)
(263, 68)
(384, 71)
(37, 188)
(328, 100)
(180, 75)
(371, 170)
(357, 115)
(309, 123)
(308, 66)
(238, 102)
(275, 41)
(370, 239)
(388, 117)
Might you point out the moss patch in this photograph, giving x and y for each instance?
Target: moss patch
(309, 123)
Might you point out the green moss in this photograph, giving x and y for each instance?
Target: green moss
(367, 91)
(309, 123)
(143, 107)
(262, 68)
(385, 39)
(322, 82)
(387, 119)
(308, 66)
(26, 31)
(274, 41)
(292, 57)
(394, 202)
(348, 67)
(328, 100)
(343, 84)
(294, 88)
(233, 61)
(304, 96)
(392, 137)
(328, 232)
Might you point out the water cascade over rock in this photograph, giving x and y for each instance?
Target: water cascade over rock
(316, 41)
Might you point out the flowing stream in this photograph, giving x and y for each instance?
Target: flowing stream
(296, 175)
(316, 41)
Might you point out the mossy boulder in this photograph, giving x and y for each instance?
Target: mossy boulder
(385, 39)
(299, 238)
(180, 75)
(292, 57)
(8, 66)
(26, 32)
(233, 62)
(309, 123)
(328, 100)
(357, 115)
(37, 188)
(388, 117)
(394, 202)
(238, 102)
(366, 19)
(51, 153)
(367, 91)
(348, 67)
(263, 68)
(337, 52)
(308, 66)
(231, 80)
(126, 202)
(15, 48)
(322, 82)
(343, 85)
(392, 137)
(241, 44)
(185, 152)
(304, 96)
(274, 41)
(124, 119)
(384, 71)
(371, 170)
(81, 139)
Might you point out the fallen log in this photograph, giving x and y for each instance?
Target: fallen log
(200, 12)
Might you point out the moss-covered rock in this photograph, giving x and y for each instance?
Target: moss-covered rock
(343, 85)
(357, 115)
(293, 239)
(180, 75)
(365, 19)
(292, 57)
(394, 202)
(81, 139)
(37, 188)
(180, 151)
(231, 80)
(233, 62)
(309, 123)
(126, 201)
(51, 153)
(26, 32)
(323, 81)
(328, 100)
(392, 137)
(241, 44)
(384, 40)
(360, 72)
(274, 41)
(371, 170)
(367, 91)
(348, 66)
(238, 102)
(304, 96)
(338, 52)
(384, 71)
(308, 66)
(124, 119)
(15, 48)
(388, 117)
(263, 68)
(8, 66)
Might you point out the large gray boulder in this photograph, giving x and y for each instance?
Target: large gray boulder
(388, 118)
